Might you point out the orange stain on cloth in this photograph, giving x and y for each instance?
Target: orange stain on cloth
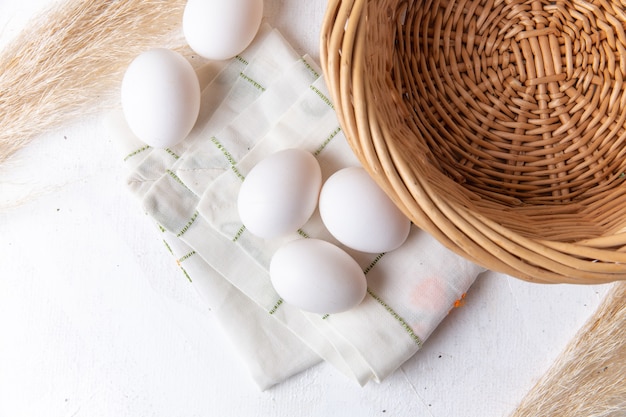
(431, 294)
(459, 302)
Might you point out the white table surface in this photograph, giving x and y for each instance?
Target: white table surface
(97, 321)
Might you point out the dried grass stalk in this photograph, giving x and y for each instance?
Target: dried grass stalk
(588, 378)
(71, 61)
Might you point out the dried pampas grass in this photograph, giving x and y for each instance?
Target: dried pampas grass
(589, 377)
(71, 62)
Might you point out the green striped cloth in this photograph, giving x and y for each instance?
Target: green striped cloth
(267, 99)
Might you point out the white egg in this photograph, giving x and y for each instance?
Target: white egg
(317, 276)
(160, 97)
(358, 213)
(221, 29)
(280, 193)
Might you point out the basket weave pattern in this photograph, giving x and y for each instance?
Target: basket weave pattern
(497, 126)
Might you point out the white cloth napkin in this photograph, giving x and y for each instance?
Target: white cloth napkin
(264, 100)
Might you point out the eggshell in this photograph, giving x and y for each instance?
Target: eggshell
(280, 193)
(160, 97)
(358, 213)
(317, 276)
(221, 29)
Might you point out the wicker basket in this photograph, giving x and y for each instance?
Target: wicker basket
(497, 126)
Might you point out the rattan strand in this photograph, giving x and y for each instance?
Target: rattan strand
(497, 126)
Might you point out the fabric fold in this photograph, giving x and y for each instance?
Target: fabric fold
(265, 100)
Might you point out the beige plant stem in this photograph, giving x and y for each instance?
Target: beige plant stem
(71, 60)
(589, 377)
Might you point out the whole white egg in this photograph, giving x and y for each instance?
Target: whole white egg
(280, 193)
(221, 29)
(358, 213)
(317, 276)
(160, 97)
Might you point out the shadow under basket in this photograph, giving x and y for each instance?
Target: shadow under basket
(497, 126)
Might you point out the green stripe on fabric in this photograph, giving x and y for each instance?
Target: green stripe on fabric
(278, 304)
(188, 225)
(239, 233)
(373, 263)
(176, 178)
(169, 249)
(229, 158)
(395, 315)
(136, 152)
(240, 59)
(251, 81)
(186, 274)
(322, 96)
(171, 152)
(242, 229)
(387, 307)
(310, 68)
(187, 256)
(327, 141)
(178, 261)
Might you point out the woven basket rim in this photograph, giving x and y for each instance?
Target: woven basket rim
(574, 237)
